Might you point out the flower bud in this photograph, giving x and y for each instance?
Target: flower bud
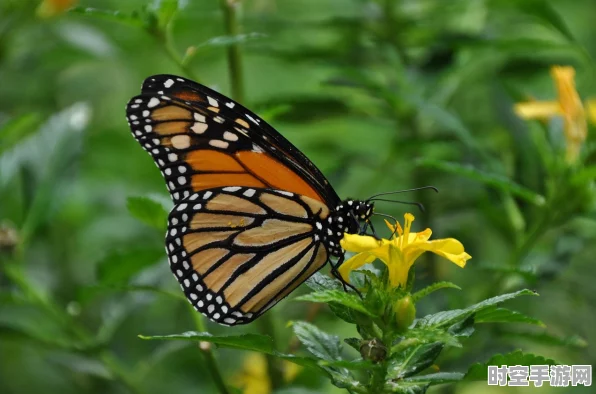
(405, 313)
(373, 350)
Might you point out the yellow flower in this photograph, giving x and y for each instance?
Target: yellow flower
(253, 378)
(400, 252)
(50, 8)
(568, 105)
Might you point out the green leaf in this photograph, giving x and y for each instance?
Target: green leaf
(253, 342)
(148, 211)
(45, 161)
(225, 41)
(18, 128)
(118, 267)
(478, 371)
(319, 343)
(351, 365)
(413, 360)
(339, 297)
(165, 11)
(448, 318)
(437, 378)
(494, 180)
(432, 288)
(573, 341)
(320, 282)
(503, 315)
(432, 335)
(544, 11)
(116, 16)
(354, 343)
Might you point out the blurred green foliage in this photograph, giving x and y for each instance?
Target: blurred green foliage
(380, 94)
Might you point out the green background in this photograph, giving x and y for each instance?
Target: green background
(380, 95)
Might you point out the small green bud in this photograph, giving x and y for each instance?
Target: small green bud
(373, 350)
(405, 313)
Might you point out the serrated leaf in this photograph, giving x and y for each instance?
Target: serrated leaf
(319, 343)
(413, 360)
(354, 343)
(148, 211)
(432, 288)
(448, 318)
(478, 371)
(118, 267)
(320, 282)
(338, 297)
(574, 341)
(437, 378)
(503, 315)
(494, 180)
(432, 335)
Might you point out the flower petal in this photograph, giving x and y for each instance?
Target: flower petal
(537, 109)
(591, 109)
(359, 243)
(354, 263)
(450, 248)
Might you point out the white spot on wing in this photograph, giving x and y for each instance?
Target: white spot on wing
(219, 144)
(168, 84)
(249, 192)
(212, 102)
(154, 102)
(230, 136)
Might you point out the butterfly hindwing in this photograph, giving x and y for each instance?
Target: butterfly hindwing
(237, 251)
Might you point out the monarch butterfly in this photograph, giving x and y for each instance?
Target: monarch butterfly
(253, 216)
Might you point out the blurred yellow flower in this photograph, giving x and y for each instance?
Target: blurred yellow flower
(400, 252)
(50, 8)
(253, 378)
(568, 105)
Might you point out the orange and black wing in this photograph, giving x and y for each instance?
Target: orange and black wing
(200, 140)
(237, 251)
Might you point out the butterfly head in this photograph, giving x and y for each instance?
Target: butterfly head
(356, 213)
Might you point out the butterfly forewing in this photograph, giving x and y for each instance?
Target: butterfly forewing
(237, 251)
(200, 140)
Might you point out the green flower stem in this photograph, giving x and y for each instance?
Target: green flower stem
(232, 26)
(166, 41)
(111, 363)
(206, 350)
(274, 366)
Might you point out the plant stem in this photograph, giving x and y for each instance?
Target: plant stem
(232, 26)
(208, 355)
(205, 348)
(274, 366)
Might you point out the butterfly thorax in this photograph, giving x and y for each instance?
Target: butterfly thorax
(346, 218)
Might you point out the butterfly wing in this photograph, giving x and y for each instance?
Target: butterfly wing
(237, 251)
(200, 140)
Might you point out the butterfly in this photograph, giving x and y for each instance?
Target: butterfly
(253, 216)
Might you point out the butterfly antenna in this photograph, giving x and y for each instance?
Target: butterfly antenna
(403, 191)
(390, 217)
(418, 204)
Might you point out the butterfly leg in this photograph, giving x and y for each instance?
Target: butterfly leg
(337, 275)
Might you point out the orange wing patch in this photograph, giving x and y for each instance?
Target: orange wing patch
(275, 174)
